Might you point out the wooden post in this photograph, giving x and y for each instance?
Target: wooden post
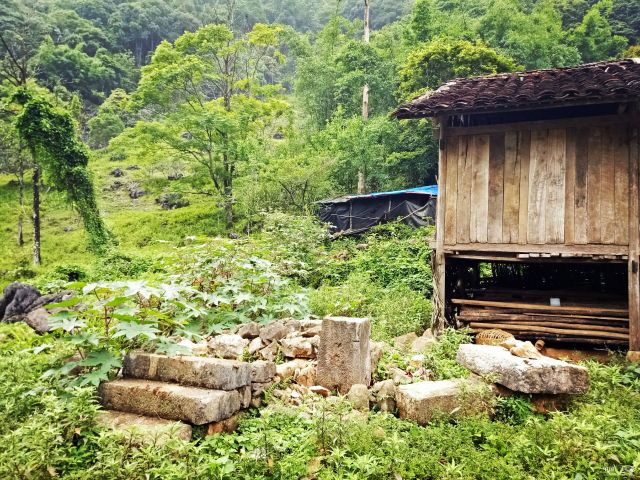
(634, 247)
(438, 319)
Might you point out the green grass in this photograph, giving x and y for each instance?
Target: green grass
(140, 225)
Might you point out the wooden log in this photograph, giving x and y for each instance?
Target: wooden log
(564, 339)
(507, 317)
(565, 325)
(559, 331)
(614, 312)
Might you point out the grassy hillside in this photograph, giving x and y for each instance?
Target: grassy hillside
(143, 227)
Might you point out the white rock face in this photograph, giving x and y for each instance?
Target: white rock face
(545, 375)
(228, 346)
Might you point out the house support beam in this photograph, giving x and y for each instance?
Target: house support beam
(438, 320)
(634, 248)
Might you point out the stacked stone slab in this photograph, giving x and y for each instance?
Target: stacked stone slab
(196, 390)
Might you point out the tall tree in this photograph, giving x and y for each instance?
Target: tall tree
(210, 101)
(50, 135)
(362, 186)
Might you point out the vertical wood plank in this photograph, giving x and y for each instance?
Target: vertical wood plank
(451, 155)
(463, 213)
(555, 186)
(569, 187)
(621, 145)
(510, 210)
(479, 188)
(634, 245)
(538, 186)
(496, 187)
(580, 192)
(608, 187)
(524, 154)
(594, 158)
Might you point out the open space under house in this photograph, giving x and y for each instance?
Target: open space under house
(538, 221)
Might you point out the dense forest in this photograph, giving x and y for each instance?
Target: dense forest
(258, 105)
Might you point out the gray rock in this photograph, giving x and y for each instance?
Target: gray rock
(297, 347)
(116, 172)
(245, 396)
(262, 371)
(228, 346)
(204, 372)
(257, 389)
(255, 345)
(545, 375)
(150, 430)
(38, 319)
(404, 342)
(169, 401)
(19, 299)
(273, 331)
(289, 369)
(306, 376)
(385, 395)
(344, 356)
(421, 401)
(249, 330)
(270, 352)
(310, 328)
(424, 342)
(377, 350)
(359, 396)
(399, 376)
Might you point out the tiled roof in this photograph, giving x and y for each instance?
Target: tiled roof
(610, 81)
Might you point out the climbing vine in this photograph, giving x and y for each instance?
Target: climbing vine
(51, 136)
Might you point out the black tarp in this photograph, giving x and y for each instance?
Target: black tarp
(358, 213)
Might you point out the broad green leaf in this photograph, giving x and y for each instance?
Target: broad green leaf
(102, 358)
(67, 303)
(116, 302)
(84, 338)
(131, 330)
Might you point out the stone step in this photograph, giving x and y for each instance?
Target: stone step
(214, 373)
(170, 401)
(153, 430)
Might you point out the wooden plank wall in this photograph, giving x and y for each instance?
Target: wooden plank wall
(559, 186)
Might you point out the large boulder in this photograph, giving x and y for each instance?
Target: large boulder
(544, 375)
(20, 299)
(344, 355)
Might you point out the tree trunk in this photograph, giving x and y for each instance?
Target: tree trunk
(37, 259)
(20, 206)
(362, 187)
(228, 190)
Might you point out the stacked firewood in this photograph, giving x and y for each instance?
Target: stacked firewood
(558, 316)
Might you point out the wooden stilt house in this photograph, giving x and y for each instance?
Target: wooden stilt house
(538, 228)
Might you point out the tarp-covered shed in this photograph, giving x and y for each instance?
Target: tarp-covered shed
(354, 214)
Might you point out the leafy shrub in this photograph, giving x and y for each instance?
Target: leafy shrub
(393, 311)
(441, 357)
(515, 410)
(393, 254)
(118, 266)
(69, 273)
